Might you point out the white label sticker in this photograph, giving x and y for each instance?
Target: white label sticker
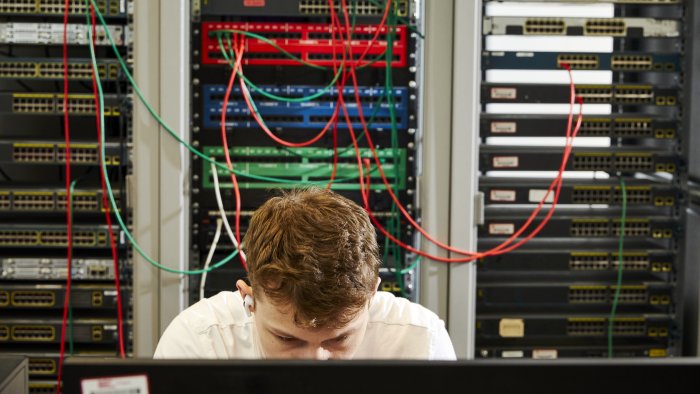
(110, 327)
(545, 354)
(512, 354)
(505, 162)
(504, 93)
(504, 127)
(501, 228)
(511, 328)
(136, 384)
(536, 195)
(502, 195)
(110, 293)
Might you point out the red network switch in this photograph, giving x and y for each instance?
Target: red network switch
(311, 42)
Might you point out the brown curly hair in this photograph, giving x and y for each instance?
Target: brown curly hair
(316, 251)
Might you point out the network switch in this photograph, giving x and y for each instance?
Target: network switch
(48, 236)
(313, 114)
(616, 61)
(52, 104)
(52, 69)
(361, 9)
(628, 94)
(623, 126)
(310, 42)
(548, 351)
(578, 263)
(593, 224)
(509, 158)
(33, 268)
(108, 8)
(639, 193)
(616, 27)
(303, 165)
(52, 296)
(46, 152)
(538, 327)
(48, 331)
(52, 34)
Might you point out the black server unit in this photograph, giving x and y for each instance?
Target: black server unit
(292, 62)
(34, 196)
(604, 277)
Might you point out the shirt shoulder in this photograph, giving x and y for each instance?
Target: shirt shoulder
(386, 308)
(401, 329)
(215, 327)
(222, 309)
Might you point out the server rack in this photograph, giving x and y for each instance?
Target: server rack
(583, 287)
(290, 51)
(33, 196)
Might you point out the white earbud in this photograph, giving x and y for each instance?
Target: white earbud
(247, 303)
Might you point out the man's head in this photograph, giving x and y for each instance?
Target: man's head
(313, 266)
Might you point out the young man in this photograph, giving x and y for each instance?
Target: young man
(313, 266)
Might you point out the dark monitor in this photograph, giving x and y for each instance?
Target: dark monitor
(566, 376)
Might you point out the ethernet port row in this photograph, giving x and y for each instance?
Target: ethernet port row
(86, 155)
(33, 201)
(591, 162)
(18, 238)
(629, 327)
(633, 228)
(635, 195)
(33, 299)
(595, 127)
(632, 127)
(588, 295)
(591, 195)
(631, 262)
(544, 26)
(633, 162)
(42, 366)
(578, 62)
(17, 69)
(634, 95)
(592, 327)
(34, 333)
(18, 7)
(605, 27)
(22, 104)
(590, 262)
(631, 62)
(78, 106)
(589, 228)
(595, 95)
(33, 154)
(630, 295)
(320, 7)
(81, 202)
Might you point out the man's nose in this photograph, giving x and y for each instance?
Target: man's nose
(318, 353)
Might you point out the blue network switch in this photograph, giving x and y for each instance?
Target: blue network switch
(312, 114)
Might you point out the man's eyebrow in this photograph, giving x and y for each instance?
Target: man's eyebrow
(282, 333)
(343, 334)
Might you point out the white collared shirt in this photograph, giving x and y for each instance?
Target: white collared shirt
(218, 328)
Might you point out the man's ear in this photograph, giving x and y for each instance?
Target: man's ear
(246, 291)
